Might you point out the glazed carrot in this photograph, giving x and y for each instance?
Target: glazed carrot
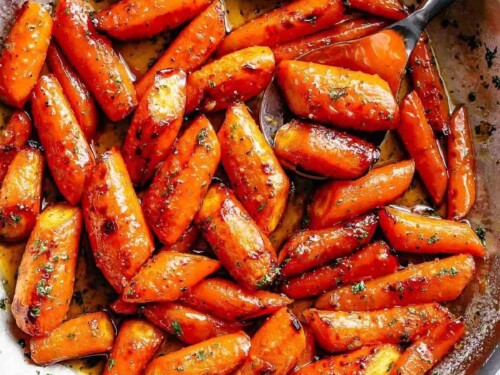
(75, 91)
(179, 186)
(428, 350)
(338, 331)
(79, 337)
(421, 144)
(238, 76)
(347, 30)
(323, 151)
(289, 22)
(217, 356)
(118, 234)
(256, 176)
(227, 300)
(429, 86)
(185, 242)
(186, 324)
(374, 260)
(240, 245)
(337, 96)
(166, 276)
(47, 271)
(440, 280)
(20, 195)
(93, 57)
(192, 47)
(307, 355)
(310, 248)
(69, 156)
(119, 306)
(139, 19)
(135, 345)
(23, 55)
(415, 233)
(462, 182)
(339, 200)
(13, 136)
(391, 9)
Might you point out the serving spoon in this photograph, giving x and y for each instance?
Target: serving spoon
(390, 48)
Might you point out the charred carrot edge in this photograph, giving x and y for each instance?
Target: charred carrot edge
(307, 355)
(440, 280)
(185, 242)
(23, 55)
(119, 306)
(79, 337)
(415, 233)
(13, 137)
(461, 160)
(391, 9)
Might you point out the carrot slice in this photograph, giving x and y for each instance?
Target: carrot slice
(385, 8)
(13, 136)
(307, 355)
(185, 242)
(119, 306)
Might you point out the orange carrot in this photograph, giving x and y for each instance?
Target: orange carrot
(307, 355)
(13, 136)
(119, 306)
(385, 8)
(185, 242)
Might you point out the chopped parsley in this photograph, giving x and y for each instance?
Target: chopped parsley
(42, 289)
(490, 55)
(201, 355)
(481, 233)
(358, 287)
(35, 311)
(434, 238)
(337, 93)
(111, 363)
(176, 328)
(202, 135)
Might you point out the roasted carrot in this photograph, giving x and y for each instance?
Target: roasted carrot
(339, 200)
(179, 186)
(217, 356)
(391, 9)
(462, 182)
(338, 331)
(76, 92)
(69, 156)
(310, 248)
(323, 151)
(374, 260)
(23, 55)
(289, 22)
(429, 86)
(337, 96)
(240, 245)
(187, 324)
(307, 355)
(238, 76)
(227, 300)
(13, 136)
(139, 19)
(192, 47)
(440, 281)
(428, 350)
(167, 275)
(256, 176)
(20, 195)
(135, 345)
(421, 144)
(119, 306)
(93, 57)
(415, 233)
(79, 337)
(118, 234)
(185, 242)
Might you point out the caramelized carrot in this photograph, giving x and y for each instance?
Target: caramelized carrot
(289, 22)
(462, 182)
(217, 356)
(429, 86)
(311, 248)
(385, 8)
(79, 337)
(119, 306)
(13, 136)
(240, 245)
(118, 234)
(256, 176)
(238, 76)
(338, 331)
(440, 281)
(185, 242)
(428, 350)
(23, 55)
(337, 96)
(179, 186)
(415, 233)
(192, 47)
(374, 260)
(307, 355)
(339, 200)
(323, 151)
(139, 19)
(93, 57)
(226, 300)
(186, 324)
(20, 195)
(135, 345)
(69, 156)
(421, 144)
